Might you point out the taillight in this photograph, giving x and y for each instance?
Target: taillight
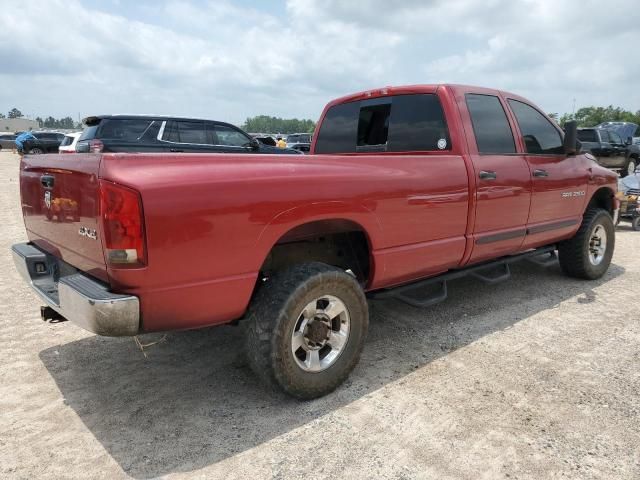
(123, 225)
(96, 146)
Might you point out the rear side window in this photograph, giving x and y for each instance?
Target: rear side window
(183, 131)
(587, 136)
(490, 125)
(604, 136)
(89, 132)
(540, 136)
(66, 141)
(401, 123)
(123, 129)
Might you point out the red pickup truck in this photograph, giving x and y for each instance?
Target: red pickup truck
(405, 188)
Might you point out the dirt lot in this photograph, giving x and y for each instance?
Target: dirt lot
(534, 378)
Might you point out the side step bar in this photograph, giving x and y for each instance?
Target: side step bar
(420, 295)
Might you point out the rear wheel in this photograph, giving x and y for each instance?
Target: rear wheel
(588, 254)
(306, 328)
(36, 151)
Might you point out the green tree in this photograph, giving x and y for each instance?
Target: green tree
(2, 115)
(267, 124)
(15, 113)
(40, 121)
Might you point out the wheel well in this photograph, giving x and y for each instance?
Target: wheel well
(340, 243)
(603, 198)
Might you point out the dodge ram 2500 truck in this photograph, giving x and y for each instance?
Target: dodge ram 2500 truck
(405, 188)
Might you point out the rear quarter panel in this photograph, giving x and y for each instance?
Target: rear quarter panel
(211, 220)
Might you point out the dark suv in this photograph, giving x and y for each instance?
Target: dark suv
(610, 149)
(143, 133)
(46, 142)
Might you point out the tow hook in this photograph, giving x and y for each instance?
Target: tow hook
(48, 313)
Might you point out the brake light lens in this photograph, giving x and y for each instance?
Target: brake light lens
(123, 225)
(96, 146)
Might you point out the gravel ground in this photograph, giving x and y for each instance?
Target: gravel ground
(533, 378)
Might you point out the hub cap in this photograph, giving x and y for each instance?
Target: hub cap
(597, 245)
(320, 333)
(631, 168)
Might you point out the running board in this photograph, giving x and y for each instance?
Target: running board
(418, 294)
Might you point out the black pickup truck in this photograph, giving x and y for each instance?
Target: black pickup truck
(610, 149)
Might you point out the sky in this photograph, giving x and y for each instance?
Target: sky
(229, 60)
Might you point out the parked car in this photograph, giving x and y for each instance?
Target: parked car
(629, 197)
(69, 143)
(8, 141)
(298, 138)
(143, 133)
(626, 130)
(610, 149)
(405, 189)
(46, 142)
(266, 139)
(301, 147)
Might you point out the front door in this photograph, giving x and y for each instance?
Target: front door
(559, 181)
(502, 177)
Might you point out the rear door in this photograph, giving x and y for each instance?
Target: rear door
(559, 181)
(61, 208)
(503, 182)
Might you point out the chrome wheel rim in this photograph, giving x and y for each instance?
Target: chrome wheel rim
(320, 333)
(597, 245)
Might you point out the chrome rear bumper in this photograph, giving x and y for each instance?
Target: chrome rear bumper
(76, 296)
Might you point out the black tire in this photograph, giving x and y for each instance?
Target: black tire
(275, 313)
(635, 224)
(574, 254)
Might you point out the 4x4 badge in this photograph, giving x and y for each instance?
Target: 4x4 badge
(47, 198)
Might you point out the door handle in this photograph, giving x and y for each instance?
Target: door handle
(540, 173)
(487, 175)
(47, 181)
(177, 150)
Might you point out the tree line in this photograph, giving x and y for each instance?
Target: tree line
(49, 122)
(267, 124)
(592, 116)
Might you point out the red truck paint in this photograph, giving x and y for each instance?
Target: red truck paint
(211, 219)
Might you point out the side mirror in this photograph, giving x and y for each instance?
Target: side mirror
(571, 144)
(254, 144)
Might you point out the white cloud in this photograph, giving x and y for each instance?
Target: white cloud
(220, 60)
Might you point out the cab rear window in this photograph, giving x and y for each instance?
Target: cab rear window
(400, 123)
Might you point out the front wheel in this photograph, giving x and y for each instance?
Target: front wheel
(588, 253)
(630, 169)
(306, 328)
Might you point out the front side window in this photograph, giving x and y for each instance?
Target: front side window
(540, 136)
(225, 135)
(490, 124)
(615, 138)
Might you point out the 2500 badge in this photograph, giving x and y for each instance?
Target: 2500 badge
(580, 193)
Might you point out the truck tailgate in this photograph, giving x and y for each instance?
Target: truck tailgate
(61, 207)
